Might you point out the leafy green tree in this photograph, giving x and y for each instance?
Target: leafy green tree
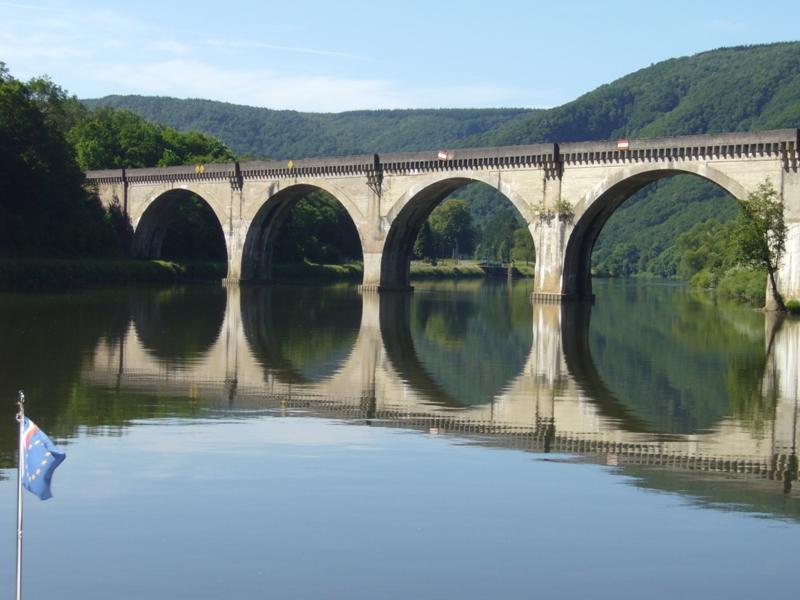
(504, 250)
(498, 232)
(194, 232)
(451, 221)
(425, 244)
(108, 139)
(61, 111)
(44, 209)
(761, 234)
(523, 250)
(707, 245)
(317, 229)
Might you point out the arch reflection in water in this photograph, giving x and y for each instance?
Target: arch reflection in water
(377, 365)
(298, 334)
(460, 346)
(179, 324)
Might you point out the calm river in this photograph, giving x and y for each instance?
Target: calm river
(457, 442)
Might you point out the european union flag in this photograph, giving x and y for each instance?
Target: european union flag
(40, 460)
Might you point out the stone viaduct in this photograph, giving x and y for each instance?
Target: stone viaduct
(564, 192)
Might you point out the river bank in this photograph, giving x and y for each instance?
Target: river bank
(43, 273)
(420, 270)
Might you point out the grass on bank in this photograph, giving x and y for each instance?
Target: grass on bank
(308, 272)
(443, 269)
(39, 273)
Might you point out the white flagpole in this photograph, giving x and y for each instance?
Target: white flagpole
(20, 470)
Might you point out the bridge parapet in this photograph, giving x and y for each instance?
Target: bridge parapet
(309, 167)
(209, 172)
(783, 142)
(183, 173)
(106, 176)
(538, 155)
(779, 142)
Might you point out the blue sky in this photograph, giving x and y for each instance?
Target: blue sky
(342, 55)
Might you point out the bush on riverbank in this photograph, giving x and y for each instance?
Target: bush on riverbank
(38, 273)
(741, 284)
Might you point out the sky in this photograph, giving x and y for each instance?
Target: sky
(331, 56)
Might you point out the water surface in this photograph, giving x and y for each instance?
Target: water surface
(297, 442)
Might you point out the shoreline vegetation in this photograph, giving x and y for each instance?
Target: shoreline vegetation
(443, 269)
(49, 273)
(52, 273)
(745, 286)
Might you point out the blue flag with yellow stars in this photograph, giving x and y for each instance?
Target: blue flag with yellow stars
(41, 457)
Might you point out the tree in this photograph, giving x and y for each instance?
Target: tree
(761, 234)
(61, 111)
(523, 249)
(318, 229)
(425, 244)
(44, 208)
(498, 233)
(452, 223)
(113, 139)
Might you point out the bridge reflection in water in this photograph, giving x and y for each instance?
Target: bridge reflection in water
(360, 359)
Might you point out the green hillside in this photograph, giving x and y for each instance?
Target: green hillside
(730, 89)
(266, 133)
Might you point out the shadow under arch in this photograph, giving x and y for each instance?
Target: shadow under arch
(595, 210)
(259, 242)
(163, 231)
(301, 335)
(406, 224)
(179, 324)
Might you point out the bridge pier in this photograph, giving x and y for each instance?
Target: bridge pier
(553, 281)
(371, 281)
(788, 276)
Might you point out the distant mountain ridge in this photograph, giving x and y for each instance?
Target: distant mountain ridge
(730, 89)
(279, 134)
(744, 88)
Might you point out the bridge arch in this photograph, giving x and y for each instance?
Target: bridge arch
(593, 211)
(413, 208)
(156, 218)
(267, 219)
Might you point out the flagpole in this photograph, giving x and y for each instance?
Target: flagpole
(20, 469)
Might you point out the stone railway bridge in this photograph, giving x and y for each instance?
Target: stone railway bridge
(564, 192)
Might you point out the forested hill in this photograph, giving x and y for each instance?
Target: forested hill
(266, 133)
(729, 89)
